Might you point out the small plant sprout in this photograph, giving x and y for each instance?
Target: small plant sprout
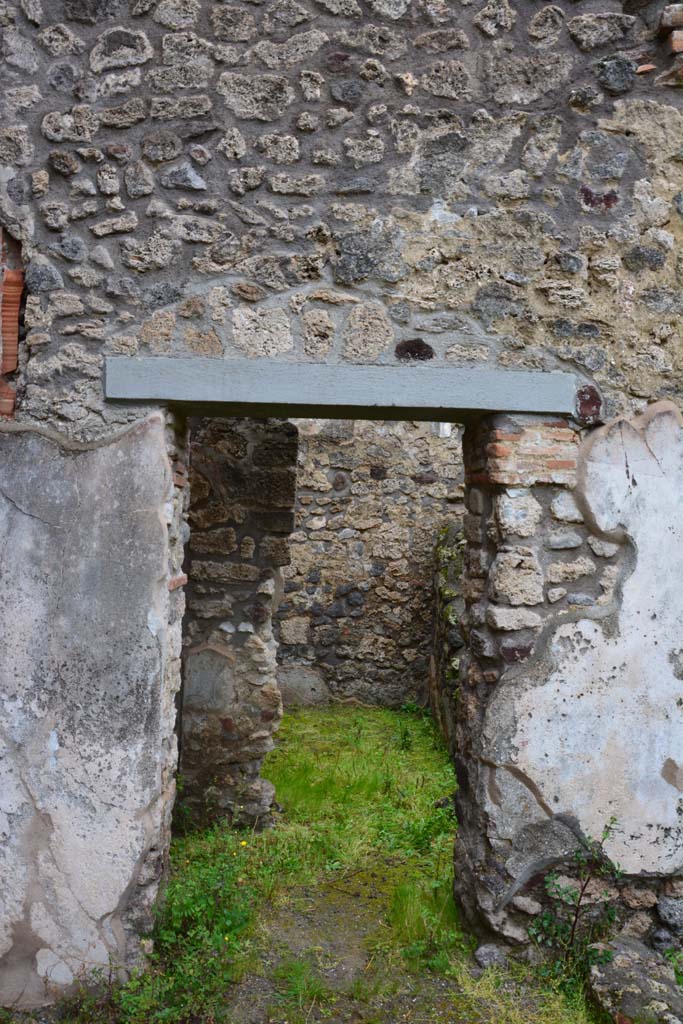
(574, 921)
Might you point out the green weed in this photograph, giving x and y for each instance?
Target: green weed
(570, 925)
(302, 985)
(675, 958)
(366, 804)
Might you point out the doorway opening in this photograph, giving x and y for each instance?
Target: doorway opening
(310, 582)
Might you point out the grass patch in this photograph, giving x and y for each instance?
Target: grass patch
(365, 798)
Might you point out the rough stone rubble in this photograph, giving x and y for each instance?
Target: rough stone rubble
(471, 183)
(355, 620)
(496, 184)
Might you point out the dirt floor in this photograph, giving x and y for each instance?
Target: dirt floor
(322, 959)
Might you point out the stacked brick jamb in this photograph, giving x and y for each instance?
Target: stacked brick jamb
(11, 289)
(524, 537)
(543, 586)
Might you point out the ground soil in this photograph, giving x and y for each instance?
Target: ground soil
(335, 929)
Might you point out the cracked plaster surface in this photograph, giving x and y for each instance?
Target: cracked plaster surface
(84, 737)
(595, 728)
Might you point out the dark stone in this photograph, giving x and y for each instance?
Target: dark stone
(63, 76)
(598, 200)
(455, 637)
(90, 12)
(163, 294)
(349, 92)
(588, 404)
(662, 940)
(414, 349)
(428, 477)
(121, 288)
(41, 276)
(440, 168)
(670, 911)
(400, 312)
(583, 99)
(119, 39)
(161, 146)
(678, 203)
(336, 610)
(496, 301)
(119, 151)
(569, 262)
(183, 176)
(616, 75)
(71, 248)
(18, 190)
(356, 599)
(198, 127)
(378, 472)
(63, 162)
(490, 955)
(339, 62)
(343, 589)
(364, 253)
(482, 644)
(643, 257)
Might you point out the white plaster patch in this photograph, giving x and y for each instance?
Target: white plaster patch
(54, 970)
(86, 802)
(53, 747)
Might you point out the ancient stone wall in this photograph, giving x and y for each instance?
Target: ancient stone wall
(474, 183)
(91, 616)
(357, 616)
(490, 182)
(448, 633)
(242, 487)
(569, 708)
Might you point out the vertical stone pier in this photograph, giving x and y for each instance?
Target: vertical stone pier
(571, 703)
(90, 615)
(243, 489)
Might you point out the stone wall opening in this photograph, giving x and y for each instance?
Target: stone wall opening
(569, 613)
(355, 623)
(242, 496)
(310, 577)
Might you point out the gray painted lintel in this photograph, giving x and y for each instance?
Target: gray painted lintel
(416, 391)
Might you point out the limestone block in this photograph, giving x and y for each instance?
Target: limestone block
(302, 686)
(565, 509)
(86, 744)
(561, 572)
(294, 631)
(512, 618)
(518, 513)
(516, 577)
